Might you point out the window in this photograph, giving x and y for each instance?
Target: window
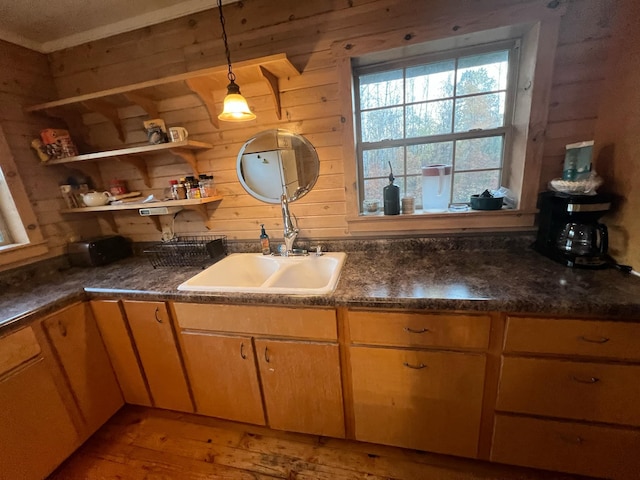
(452, 108)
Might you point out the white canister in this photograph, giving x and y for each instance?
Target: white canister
(436, 187)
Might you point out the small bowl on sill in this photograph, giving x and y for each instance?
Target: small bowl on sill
(479, 202)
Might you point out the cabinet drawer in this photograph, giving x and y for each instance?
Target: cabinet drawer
(573, 337)
(416, 399)
(576, 390)
(309, 323)
(419, 329)
(567, 447)
(17, 348)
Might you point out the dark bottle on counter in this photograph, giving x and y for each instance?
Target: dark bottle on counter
(391, 195)
(264, 242)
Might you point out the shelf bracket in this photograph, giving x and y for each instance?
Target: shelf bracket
(188, 156)
(109, 111)
(272, 82)
(147, 104)
(202, 87)
(108, 217)
(202, 211)
(139, 162)
(156, 222)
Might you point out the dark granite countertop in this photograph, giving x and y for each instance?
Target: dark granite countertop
(511, 280)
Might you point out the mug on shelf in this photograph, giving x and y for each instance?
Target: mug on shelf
(178, 134)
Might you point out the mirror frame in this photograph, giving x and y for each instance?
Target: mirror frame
(280, 140)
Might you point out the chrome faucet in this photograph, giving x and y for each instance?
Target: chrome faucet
(290, 232)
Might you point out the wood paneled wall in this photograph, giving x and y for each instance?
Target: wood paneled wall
(304, 31)
(618, 136)
(25, 79)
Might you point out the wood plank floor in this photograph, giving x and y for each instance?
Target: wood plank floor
(150, 444)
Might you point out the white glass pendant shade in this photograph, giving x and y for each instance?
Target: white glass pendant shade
(236, 108)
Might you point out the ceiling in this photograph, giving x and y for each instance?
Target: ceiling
(50, 25)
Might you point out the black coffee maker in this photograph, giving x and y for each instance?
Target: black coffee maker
(569, 231)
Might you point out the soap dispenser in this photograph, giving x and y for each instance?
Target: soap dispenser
(391, 194)
(264, 242)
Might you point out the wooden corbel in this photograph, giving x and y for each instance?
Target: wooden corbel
(203, 87)
(109, 111)
(147, 104)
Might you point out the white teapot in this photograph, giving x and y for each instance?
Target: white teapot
(95, 199)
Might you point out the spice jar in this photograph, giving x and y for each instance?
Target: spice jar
(117, 187)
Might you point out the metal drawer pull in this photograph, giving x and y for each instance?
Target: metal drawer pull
(574, 440)
(242, 354)
(416, 367)
(266, 355)
(585, 380)
(593, 340)
(158, 319)
(411, 330)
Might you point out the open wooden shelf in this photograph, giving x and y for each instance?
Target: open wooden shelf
(270, 70)
(136, 156)
(195, 204)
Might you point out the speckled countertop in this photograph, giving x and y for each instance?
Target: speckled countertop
(418, 275)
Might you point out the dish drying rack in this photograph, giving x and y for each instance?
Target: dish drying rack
(187, 251)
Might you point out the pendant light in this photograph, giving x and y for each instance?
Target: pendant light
(235, 105)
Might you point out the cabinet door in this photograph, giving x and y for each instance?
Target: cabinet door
(424, 400)
(302, 386)
(154, 338)
(223, 376)
(36, 430)
(77, 345)
(120, 347)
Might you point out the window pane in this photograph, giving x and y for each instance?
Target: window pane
(376, 162)
(482, 111)
(430, 82)
(382, 89)
(479, 153)
(373, 190)
(414, 189)
(433, 118)
(385, 124)
(474, 183)
(419, 156)
(482, 73)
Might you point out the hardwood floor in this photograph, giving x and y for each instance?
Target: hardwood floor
(143, 443)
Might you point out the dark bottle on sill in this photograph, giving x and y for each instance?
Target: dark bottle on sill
(391, 195)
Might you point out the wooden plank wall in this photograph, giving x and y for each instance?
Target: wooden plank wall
(305, 32)
(617, 139)
(25, 79)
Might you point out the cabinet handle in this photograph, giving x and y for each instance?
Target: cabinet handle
(589, 380)
(266, 355)
(62, 328)
(155, 314)
(574, 440)
(411, 330)
(415, 367)
(593, 340)
(242, 354)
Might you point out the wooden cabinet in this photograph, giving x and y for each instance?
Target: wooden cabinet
(77, 346)
(122, 352)
(302, 388)
(298, 361)
(567, 397)
(155, 342)
(428, 399)
(223, 375)
(36, 429)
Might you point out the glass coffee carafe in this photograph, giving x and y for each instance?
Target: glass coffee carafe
(583, 239)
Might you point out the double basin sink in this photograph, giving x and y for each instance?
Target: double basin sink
(257, 273)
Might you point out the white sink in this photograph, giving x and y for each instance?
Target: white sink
(257, 273)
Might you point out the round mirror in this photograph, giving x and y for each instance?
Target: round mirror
(275, 163)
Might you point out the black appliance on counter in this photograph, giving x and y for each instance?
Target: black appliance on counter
(98, 251)
(569, 231)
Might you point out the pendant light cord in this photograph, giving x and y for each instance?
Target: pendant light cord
(231, 76)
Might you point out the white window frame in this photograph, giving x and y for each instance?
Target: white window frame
(27, 241)
(538, 28)
(511, 45)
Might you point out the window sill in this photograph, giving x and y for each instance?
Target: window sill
(15, 252)
(447, 222)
